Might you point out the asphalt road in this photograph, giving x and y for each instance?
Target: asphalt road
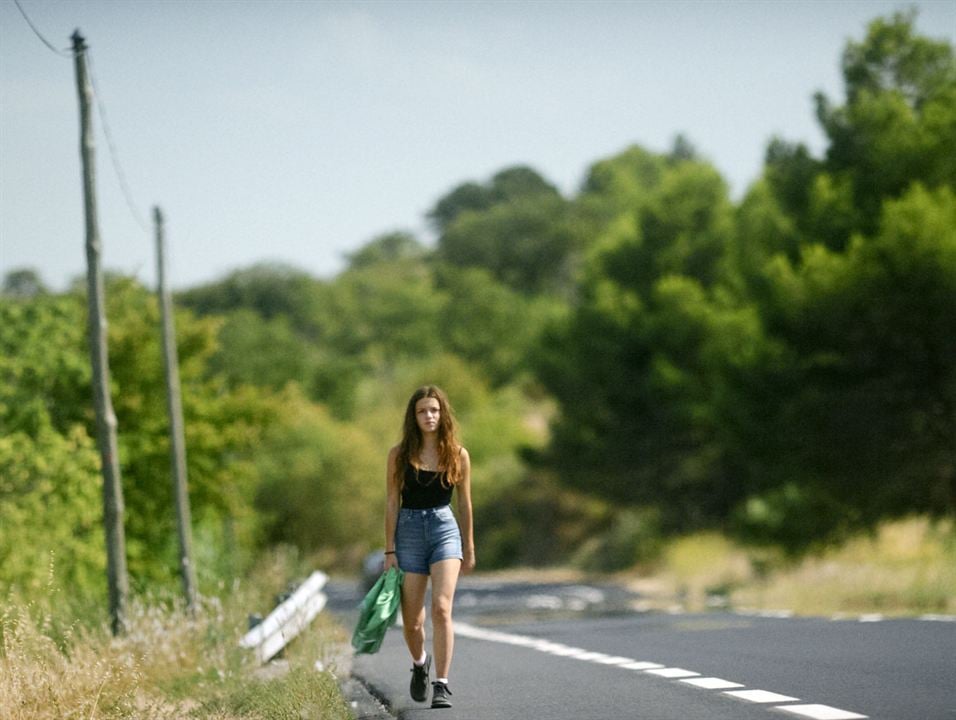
(528, 651)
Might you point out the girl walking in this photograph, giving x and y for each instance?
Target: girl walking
(422, 536)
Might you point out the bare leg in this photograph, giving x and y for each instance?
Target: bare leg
(444, 580)
(413, 612)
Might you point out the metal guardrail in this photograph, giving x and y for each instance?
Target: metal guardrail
(288, 619)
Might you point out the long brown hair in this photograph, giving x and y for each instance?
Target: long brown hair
(449, 449)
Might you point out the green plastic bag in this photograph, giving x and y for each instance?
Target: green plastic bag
(378, 612)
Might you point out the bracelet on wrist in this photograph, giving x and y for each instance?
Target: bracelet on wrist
(389, 552)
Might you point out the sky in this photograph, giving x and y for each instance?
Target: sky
(296, 131)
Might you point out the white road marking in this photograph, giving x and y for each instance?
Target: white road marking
(590, 656)
(712, 683)
(820, 712)
(934, 617)
(812, 711)
(673, 672)
(871, 617)
(565, 651)
(760, 696)
(616, 660)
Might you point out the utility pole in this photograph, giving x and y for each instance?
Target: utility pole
(177, 445)
(117, 579)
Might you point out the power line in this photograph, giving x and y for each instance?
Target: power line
(101, 108)
(61, 53)
(114, 154)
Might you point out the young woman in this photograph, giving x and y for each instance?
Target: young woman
(421, 534)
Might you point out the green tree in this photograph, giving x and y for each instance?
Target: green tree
(631, 366)
(50, 498)
(23, 283)
(269, 289)
(615, 188)
(863, 425)
(45, 408)
(267, 353)
(50, 512)
(487, 323)
(898, 125)
(511, 184)
(321, 478)
(525, 244)
(222, 430)
(390, 247)
(516, 227)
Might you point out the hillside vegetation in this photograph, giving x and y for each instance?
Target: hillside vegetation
(642, 360)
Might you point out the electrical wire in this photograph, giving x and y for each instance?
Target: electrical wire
(61, 53)
(114, 154)
(101, 109)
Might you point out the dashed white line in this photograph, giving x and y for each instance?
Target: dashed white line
(590, 656)
(813, 711)
(712, 683)
(641, 666)
(820, 712)
(672, 672)
(760, 696)
(617, 660)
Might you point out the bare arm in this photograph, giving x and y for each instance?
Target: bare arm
(465, 514)
(392, 503)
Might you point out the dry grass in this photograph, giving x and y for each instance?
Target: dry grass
(692, 570)
(907, 567)
(170, 664)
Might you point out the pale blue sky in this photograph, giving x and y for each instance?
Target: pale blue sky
(297, 131)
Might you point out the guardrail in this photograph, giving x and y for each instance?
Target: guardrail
(288, 619)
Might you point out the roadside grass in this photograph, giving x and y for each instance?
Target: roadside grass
(56, 663)
(905, 567)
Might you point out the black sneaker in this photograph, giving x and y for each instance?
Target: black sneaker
(418, 688)
(440, 695)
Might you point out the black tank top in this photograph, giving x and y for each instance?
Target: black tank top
(424, 489)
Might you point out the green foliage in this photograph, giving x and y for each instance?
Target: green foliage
(319, 480)
(535, 521)
(517, 228)
(509, 185)
(632, 365)
(45, 372)
(381, 311)
(783, 368)
(871, 337)
(48, 456)
(221, 432)
(525, 244)
(899, 122)
(50, 509)
(269, 289)
(487, 323)
(388, 248)
(23, 283)
(257, 351)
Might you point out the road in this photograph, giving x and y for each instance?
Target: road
(528, 651)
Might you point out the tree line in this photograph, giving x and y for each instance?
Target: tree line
(643, 358)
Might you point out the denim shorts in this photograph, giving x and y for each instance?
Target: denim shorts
(425, 537)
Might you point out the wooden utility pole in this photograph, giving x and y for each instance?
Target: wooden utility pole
(117, 579)
(177, 445)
